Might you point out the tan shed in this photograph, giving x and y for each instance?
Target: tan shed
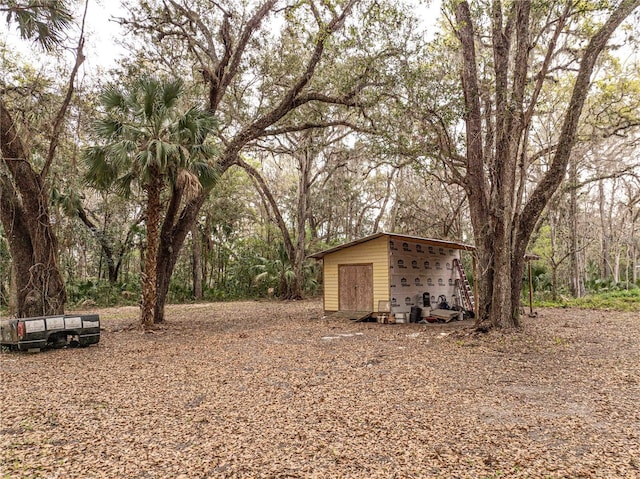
(403, 270)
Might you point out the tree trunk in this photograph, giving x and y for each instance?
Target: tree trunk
(107, 250)
(26, 220)
(196, 263)
(288, 289)
(385, 201)
(605, 252)
(149, 292)
(305, 162)
(172, 236)
(616, 266)
(504, 309)
(13, 293)
(634, 263)
(553, 260)
(577, 285)
(627, 260)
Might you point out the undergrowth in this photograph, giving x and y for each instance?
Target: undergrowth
(620, 300)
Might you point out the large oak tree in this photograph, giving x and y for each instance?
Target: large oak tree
(26, 166)
(259, 62)
(509, 53)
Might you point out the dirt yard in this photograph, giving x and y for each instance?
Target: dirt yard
(271, 390)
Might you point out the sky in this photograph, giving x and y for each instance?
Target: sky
(102, 49)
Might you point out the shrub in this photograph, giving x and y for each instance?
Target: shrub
(102, 293)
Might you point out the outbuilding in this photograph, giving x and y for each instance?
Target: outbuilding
(397, 270)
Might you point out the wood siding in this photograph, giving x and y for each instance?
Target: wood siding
(375, 252)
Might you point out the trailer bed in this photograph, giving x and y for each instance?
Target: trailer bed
(50, 331)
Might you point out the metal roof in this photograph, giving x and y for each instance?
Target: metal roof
(401, 237)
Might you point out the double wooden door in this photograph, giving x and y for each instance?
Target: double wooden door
(355, 283)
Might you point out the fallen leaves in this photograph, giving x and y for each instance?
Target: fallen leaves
(261, 390)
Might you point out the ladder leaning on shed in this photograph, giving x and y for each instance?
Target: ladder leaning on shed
(466, 295)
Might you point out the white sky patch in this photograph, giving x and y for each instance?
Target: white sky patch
(101, 32)
(429, 15)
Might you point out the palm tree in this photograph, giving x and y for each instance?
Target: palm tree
(45, 21)
(149, 141)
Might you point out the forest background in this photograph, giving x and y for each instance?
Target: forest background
(328, 121)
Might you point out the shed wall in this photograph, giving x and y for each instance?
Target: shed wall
(375, 252)
(418, 268)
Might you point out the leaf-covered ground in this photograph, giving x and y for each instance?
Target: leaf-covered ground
(273, 390)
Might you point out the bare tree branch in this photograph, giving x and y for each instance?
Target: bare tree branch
(62, 112)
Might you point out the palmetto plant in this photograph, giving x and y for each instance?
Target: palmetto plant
(278, 273)
(44, 21)
(146, 142)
